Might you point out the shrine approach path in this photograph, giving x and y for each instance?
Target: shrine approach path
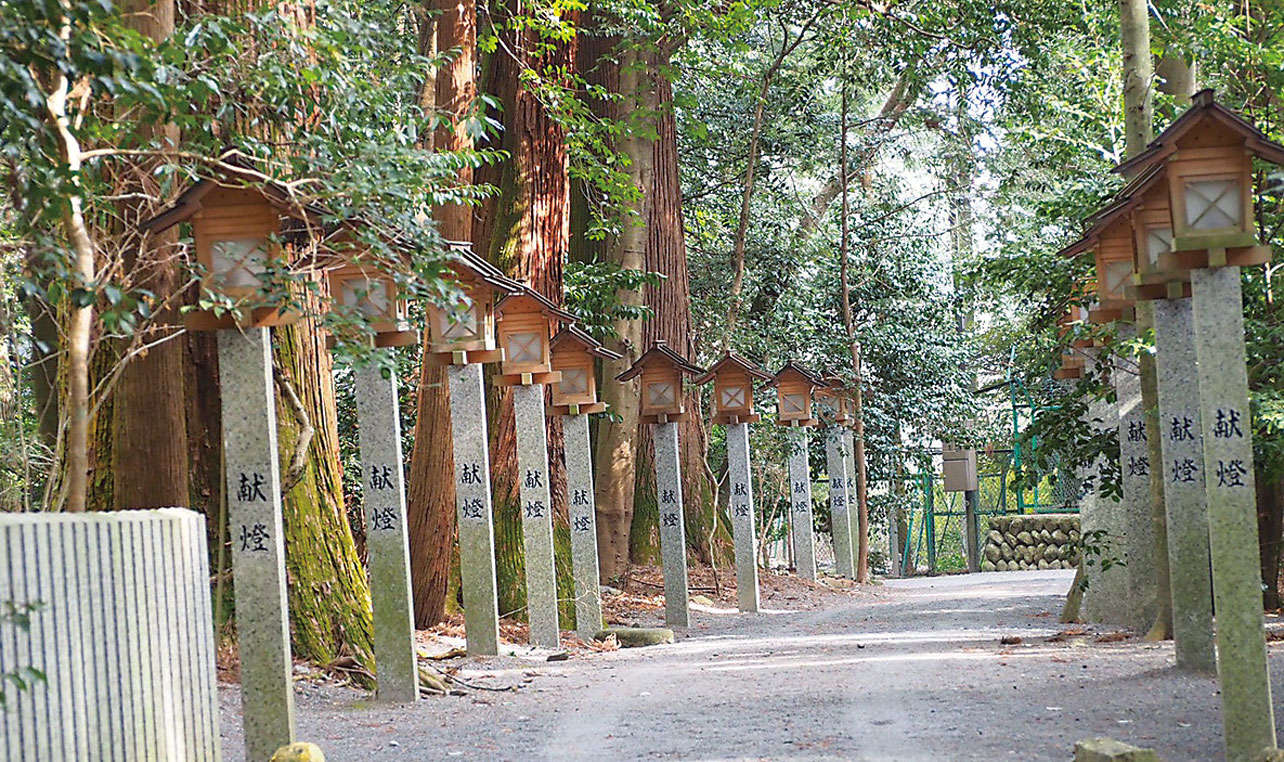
(945, 668)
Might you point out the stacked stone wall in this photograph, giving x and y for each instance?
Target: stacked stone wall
(1039, 541)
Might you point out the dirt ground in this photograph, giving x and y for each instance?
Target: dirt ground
(946, 668)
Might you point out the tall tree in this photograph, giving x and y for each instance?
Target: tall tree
(625, 71)
(525, 230)
(788, 44)
(149, 455)
(430, 491)
(329, 596)
(670, 305)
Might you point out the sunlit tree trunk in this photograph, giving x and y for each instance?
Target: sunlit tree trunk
(329, 598)
(328, 593)
(617, 437)
(670, 304)
(430, 495)
(75, 464)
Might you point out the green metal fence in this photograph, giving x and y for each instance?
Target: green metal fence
(930, 520)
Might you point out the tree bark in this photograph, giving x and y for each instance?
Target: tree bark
(1270, 525)
(328, 594)
(526, 232)
(632, 77)
(849, 325)
(1138, 75)
(430, 493)
(670, 304)
(75, 464)
(329, 598)
(46, 344)
(16, 451)
(149, 457)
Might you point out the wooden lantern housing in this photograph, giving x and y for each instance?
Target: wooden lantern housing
(373, 293)
(233, 225)
(1072, 362)
(465, 333)
(1206, 157)
(1134, 225)
(1110, 241)
(733, 378)
(526, 322)
(575, 354)
(661, 370)
(794, 386)
(1071, 366)
(835, 399)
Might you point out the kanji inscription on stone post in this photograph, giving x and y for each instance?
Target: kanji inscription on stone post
(839, 516)
(384, 494)
(253, 484)
(472, 503)
(1104, 600)
(673, 539)
(583, 509)
(1247, 714)
(800, 504)
(740, 478)
(1135, 514)
(537, 514)
(1185, 503)
(853, 499)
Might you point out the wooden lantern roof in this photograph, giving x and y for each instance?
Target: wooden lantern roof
(574, 338)
(732, 363)
(574, 355)
(1206, 155)
(661, 370)
(527, 299)
(233, 171)
(791, 371)
(1206, 123)
(733, 378)
(659, 355)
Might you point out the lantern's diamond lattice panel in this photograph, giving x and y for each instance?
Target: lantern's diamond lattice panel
(795, 403)
(660, 394)
(238, 262)
(1117, 274)
(371, 297)
(1158, 241)
(574, 381)
(1213, 204)
(461, 324)
(732, 397)
(524, 348)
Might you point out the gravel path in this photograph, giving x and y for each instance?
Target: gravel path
(910, 670)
